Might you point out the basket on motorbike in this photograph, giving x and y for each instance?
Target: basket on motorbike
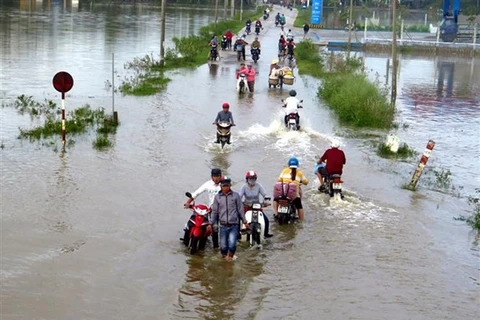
(288, 80)
(288, 190)
(273, 81)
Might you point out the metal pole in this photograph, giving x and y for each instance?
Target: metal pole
(365, 31)
(232, 11)
(225, 9)
(426, 18)
(162, 33)
(113, 82)
(350, 29)
(216, 12)
(63, 122)
(241, 10)
(401, 32)
(393, 96)
(421, 165)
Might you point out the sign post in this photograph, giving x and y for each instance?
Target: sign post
(316, 18)
(423, 161)
(63, 82)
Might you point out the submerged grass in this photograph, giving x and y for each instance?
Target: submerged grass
(149, 73)
(308, 59)
(404, 151)
(78, 121)
(474, 219)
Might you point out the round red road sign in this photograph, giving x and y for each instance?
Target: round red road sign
(62, 82)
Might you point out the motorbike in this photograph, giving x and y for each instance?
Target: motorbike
(334, 186)
(257, 30)
(223, 132)
(239, 49)
(255, 52)
(213, 53)
(291, 121)
(224, 43)
(265, 16)
(248, 28)
(255, 216)
(242, 84)
(196, 233)
(287, 213)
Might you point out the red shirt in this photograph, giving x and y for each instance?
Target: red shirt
(335, 160)
(229, 35)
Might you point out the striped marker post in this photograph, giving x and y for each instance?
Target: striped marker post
(423, 161)
(63, 82)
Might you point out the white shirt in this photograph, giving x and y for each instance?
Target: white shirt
(211, 188)
(292, 104)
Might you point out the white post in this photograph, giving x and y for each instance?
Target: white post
(474, 35)
(401, 32)
(426, 18)
(365, 31)
(438, 34)
(113, 82)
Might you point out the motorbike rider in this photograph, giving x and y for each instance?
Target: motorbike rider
(289, 35)
(256, 44)
(335, 159)
(291, 105)
(229, 36)
(258, 24)
(212, 187)
(251, 191)
(224, 116)
(227, 209)
(283, 20)
(277, 18)
(288, 175)
(248, 25)
(213, 45)
(282, 43)
(251, 73)
(243, 69)
(240, 45)
(291, 47)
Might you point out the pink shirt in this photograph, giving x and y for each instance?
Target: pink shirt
(250, 74)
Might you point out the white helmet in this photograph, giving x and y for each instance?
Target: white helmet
(334, 144)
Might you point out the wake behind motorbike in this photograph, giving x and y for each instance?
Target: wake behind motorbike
(223, 133)
(255, 217)
(195, 231)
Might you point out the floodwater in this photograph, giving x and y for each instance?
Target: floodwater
(94, 235)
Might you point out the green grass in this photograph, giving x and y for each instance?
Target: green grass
(308, 59)
(303, 17)
(102, 142)
(404, 151)
(474, 219)
(356, 101)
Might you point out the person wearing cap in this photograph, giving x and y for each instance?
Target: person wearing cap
(251, 73)
(211, 187)
(335, 159)
(224, 116)
(289, 175)
(227, 210)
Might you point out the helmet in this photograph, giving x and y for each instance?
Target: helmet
(225, 181)
(335, 144)
(251, 174)
(201, 209)
(225, 105)
(216, 172)
(293, 162)
(292, 93)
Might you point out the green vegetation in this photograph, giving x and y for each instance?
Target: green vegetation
(149, 73)
(308, 59)
(102, 142)
(303, 17)
(47, 115)
(473, 220)
(404, 151)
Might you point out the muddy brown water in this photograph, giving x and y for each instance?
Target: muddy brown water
(94, 235)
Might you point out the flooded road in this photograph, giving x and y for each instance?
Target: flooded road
(94, 235)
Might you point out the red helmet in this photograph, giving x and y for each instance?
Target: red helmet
(251, 174)
(225, 105)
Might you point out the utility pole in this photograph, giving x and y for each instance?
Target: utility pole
(162, 33)
(216, 12)
(393, 96)
(350, 30)
(232, 11)
(241, 9)
(225, 2)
